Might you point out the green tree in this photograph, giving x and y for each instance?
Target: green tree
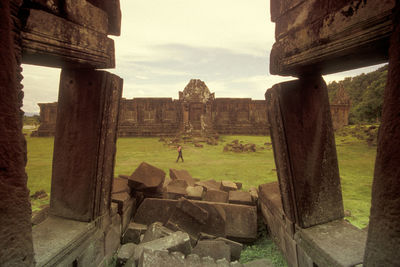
(366, 95)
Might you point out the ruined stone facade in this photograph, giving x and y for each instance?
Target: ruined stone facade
(196, 111)
(340, 109)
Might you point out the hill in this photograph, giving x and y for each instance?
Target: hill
(366, 95)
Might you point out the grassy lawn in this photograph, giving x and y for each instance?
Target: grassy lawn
(209, 162)
(356, 164)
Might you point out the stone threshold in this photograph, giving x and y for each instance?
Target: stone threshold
(55, 238)
(337, 243)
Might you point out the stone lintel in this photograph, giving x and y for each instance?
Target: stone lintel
(305, 151)
(346, 36)
(52, 41)
(336, 243)
(85, 14)
(113, 10)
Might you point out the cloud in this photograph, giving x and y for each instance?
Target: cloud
(40, 86)
(180, 63)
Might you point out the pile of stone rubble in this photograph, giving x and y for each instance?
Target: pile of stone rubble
(236, 146)
(181, 221)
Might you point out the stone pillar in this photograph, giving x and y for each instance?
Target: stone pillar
(383, 243)
(15, 209)
(84, 145)
(305, 151)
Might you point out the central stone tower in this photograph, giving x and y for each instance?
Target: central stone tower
(197, 107)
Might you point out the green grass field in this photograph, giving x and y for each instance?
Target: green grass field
(356, 164)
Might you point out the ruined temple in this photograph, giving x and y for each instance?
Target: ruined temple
(197, 111)
(340, 108)
(303, 209)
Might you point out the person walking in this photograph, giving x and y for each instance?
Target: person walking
(179, 153)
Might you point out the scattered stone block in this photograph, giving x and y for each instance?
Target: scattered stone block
(213, 195)
(39, 194)
(241, 222)
(258, 263)
(181, 175)
(154, 210)
(155, 231)
(236, 248)
(222, 263)
(240, 197)
(228, 186)
(195, 211)
(177, 241)
(147, 178)
(254, 194)
(133, 232)
(237, 222)
(125, 252)
(194, 192)
(205, 236)
(236, 264)
(188, 217)
(150, 258)
(130, 263)
(209, 184)
(120, 185)
(212, 248)
(175, 190)
(178, 183)
(193, 260)
(121, 199)
(238, 185)
(208, 261)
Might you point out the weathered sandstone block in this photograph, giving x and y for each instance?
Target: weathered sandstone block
(147, 178)
(305, 151)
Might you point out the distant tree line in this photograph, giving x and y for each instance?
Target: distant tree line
(31, 120)
(366, 95)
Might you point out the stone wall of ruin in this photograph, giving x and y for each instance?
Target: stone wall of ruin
(164, 116)
(150, 117)
(240, 116)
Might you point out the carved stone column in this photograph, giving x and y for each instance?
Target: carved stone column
(383, 243)
(84, 145)
(15, 209)
(305, 151)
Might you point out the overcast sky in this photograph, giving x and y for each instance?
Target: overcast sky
(164, 44)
